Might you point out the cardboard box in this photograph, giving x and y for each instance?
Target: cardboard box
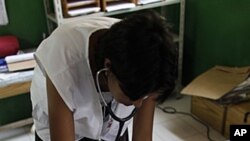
(237, 114)
(208, 90)
(217, 82)
(209, 112)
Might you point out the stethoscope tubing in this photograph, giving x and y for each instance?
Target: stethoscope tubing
(109, 110)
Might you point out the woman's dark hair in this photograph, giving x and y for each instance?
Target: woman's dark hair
(143, 56)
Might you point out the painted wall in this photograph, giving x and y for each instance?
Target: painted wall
(26, 21)
(217, 32)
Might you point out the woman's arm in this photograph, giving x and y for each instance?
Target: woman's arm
(60, 117)
(143, 121)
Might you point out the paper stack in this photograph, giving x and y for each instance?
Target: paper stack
(119, 6)
(114, 5)
(20, 62)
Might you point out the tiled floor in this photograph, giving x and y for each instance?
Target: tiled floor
(167, 127)
(179, 127)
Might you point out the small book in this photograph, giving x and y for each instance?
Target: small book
(20, 62)
(21, 65)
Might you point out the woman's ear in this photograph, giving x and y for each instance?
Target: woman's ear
(107, 63)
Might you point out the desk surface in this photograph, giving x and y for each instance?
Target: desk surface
(15, 89)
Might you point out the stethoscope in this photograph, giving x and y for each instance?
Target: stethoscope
(109, 110)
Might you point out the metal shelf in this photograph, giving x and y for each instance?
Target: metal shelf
(57, 17)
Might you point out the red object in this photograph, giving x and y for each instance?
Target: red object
(9, 45)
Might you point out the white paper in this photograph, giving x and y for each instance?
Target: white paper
(84, 10)
(3, 14)
(15, 77)
(20, 57)
(119, 6)
(147, 1)
(244, 84)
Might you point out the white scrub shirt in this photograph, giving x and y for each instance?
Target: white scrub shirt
(64, 57)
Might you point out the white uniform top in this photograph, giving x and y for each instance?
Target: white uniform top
(64, 57)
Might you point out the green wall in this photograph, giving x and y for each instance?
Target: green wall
(217, 32)
(15, 108)
(26, 21)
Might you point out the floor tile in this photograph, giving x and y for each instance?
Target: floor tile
(176, 128)
(197, 137)
(160, 116)
(181, 127)
(194, 123)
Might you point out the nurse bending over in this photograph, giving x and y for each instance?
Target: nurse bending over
(95, 74)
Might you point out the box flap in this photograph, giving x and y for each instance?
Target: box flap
(216, 82)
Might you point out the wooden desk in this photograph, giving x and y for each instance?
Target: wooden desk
(15, 89)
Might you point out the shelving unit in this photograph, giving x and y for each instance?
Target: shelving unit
(55, 17)
(71, 7)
